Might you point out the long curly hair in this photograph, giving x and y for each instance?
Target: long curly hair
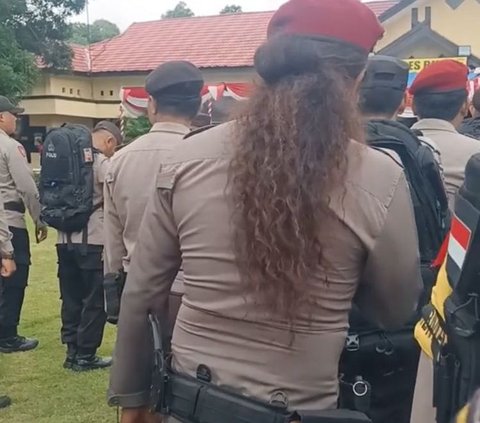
(290, 152)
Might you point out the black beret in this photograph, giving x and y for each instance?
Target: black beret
(183, 75)
(386, 72)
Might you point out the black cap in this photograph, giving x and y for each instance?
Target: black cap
(108, 126)
(7, 106)
(386, 72)
(181, 78)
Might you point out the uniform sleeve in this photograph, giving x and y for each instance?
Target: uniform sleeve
(154, 265)
(22, 176)
(6, 246)
(114, 246)
(392, 278)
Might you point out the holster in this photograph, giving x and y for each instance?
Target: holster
(113, 285)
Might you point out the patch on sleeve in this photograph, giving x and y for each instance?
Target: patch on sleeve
(22, 151)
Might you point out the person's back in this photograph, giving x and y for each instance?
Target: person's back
(275, 239)
(471, 126)
(221, 319)
(441, 102)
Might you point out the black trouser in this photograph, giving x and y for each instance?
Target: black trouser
(12, 289)
(80, 271)
(392, 394)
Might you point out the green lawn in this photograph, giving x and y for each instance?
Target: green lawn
(41, 390)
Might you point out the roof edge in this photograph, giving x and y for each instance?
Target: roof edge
(402, 4)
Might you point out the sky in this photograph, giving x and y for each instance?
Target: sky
(125, 12)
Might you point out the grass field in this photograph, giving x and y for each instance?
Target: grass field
(41, 390)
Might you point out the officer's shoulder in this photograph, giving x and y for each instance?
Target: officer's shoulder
(209, 144)
(198, 131)
(373, 171)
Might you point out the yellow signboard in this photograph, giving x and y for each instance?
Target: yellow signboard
(416, 65)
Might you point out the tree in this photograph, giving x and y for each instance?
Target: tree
(41, 27)
(181, 10)
(17, 67)
(232, 8)
(33, 29)
(136, 127)
(100, 30)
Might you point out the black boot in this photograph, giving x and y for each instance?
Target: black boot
(17, 344)
(5, 401)
(90, 361)
(71, 356)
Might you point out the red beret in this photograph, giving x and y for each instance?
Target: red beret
(441, 77)
(346, 20)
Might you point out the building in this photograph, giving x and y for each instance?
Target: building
(223, 47)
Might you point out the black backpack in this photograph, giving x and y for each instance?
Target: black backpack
(66, 178)
(423, 175)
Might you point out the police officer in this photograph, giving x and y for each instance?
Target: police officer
(175, 98)
(277, 218)
(19, 193)
(8, 267)
(392, 376)
(440, 99)
(80, 268)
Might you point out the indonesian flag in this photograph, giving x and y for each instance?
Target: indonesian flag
(460, 237)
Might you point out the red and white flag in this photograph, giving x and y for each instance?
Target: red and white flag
(460, 236)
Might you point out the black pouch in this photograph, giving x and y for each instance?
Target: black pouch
(113, 285)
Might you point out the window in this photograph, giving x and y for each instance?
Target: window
(71, 90)
(102, 93)
(64, 90)
(111, 93)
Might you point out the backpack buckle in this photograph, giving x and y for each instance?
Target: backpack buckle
(352, 342)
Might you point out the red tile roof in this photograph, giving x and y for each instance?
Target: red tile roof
(207, 41)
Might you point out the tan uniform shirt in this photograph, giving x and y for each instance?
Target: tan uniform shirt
(6, 246)
(95, 230)
(16, 182)
(455, 150)
(129, 183)
(373, 248)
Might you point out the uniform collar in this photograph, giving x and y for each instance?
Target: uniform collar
(176, 128)
(435, 125)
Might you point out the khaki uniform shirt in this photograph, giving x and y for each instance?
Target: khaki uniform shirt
(16, 182)
(95, 231)
(129, 182)
(373, 249)
(6, 246)
(455, 150)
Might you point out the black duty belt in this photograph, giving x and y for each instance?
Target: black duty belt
(15, 206)
(197, 400)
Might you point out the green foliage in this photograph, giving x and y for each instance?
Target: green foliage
(181, 10)
(136, 127)
(232, 8)
(41, 27)
(100, 30)
(17, 67)
(32, 28)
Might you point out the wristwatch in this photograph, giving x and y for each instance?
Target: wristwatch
(8, 256)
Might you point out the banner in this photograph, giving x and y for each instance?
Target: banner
(417, 65)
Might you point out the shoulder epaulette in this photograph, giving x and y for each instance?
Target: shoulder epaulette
(198, 131)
